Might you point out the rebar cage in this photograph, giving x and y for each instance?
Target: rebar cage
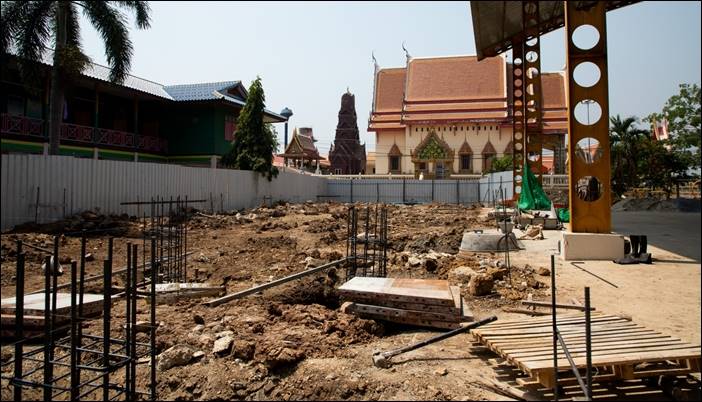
(78, 352)
(367, 251)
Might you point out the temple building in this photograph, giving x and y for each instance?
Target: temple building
(444, 116)
(301, 152)
(347, 155)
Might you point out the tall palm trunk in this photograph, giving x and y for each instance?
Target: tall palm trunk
(56, 95)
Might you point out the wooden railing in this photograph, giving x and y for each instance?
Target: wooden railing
(22, 125)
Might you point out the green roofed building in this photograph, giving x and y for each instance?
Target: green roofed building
(141, 120)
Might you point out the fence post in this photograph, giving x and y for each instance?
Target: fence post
(432, 190)
(377, 192)
(351, 183)
(403, 190)
(458, 192)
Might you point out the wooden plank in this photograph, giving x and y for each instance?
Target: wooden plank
(349, 308)
(578, 338)
(561, 326)
(534, 355)
(611, 332)
(596, 342)
(548, 304)
(393, 312)
(681, 352)
(424, 291)
(520, 322)
(541, 332)
(379, 300)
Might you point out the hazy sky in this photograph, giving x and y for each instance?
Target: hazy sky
(307, 54)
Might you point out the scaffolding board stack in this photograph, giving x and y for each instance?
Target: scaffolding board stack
(420, 302)
(621, 349)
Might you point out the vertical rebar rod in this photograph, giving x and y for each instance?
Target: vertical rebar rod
(106, 306)
(47, 329)
(588, 344)
(555, 328)
(152, 332)
(133, 320)
(81, 291)
(185, 240)
(19, 321)
(143, 249)
(127, 319)
(64, 203)
(54, 295)
(74, 333)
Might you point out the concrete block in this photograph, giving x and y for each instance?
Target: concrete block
(591, 246)
(489, 241)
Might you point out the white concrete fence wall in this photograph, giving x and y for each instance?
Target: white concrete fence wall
(103, 184)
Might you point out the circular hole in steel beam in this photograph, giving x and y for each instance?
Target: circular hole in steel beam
(586, 74)
(588, 150)
(532, 56)
(588, 112)
(588, 188)
(585, 37)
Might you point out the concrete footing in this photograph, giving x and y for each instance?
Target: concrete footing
(491, 240)
(591, 246)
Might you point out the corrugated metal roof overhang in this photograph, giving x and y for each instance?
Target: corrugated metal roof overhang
(497, 23)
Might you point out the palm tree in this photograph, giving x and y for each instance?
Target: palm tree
(624, 137)
(30, 27)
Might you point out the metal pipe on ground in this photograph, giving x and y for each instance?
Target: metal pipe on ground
(382, 359)
(256, 289)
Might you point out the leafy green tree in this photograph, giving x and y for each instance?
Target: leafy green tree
(501, 164)
(682, 111)
(32, 26)
(254, 141)
(662, 165)
(625, 137)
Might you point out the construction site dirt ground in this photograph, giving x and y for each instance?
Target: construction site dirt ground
(292, 342)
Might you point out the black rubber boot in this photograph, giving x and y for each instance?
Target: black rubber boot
(644, 257)
(634, 245)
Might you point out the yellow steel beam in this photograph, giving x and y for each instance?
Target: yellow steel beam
(588, 133)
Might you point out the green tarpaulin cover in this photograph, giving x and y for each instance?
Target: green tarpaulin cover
(532, 196)
(563, 214)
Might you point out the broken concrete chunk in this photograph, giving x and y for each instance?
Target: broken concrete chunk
(178, 355)
(543, 271)
(222, 334)
(222, 345)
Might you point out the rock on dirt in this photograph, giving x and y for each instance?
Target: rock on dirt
(282, 356)
(543, 271)
(222, 345)
(461, 274)
(243, 350)
(178, 355)
(480, 285)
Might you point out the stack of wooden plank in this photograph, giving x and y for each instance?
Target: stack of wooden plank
(421, 302)
(621, 349)
(33, 320)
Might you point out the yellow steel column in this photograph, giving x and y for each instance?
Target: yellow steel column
(588, 118)
(533, 96)
(518, 110)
